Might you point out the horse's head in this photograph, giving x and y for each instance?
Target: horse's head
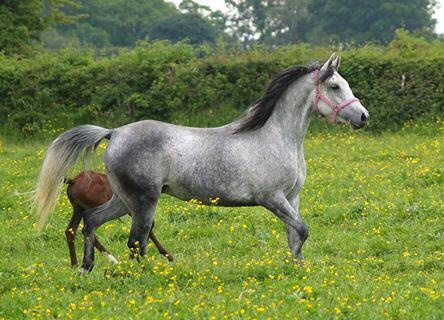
(334, 99)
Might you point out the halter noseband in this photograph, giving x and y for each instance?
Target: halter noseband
(335, 107)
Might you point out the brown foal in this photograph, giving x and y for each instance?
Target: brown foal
(90, 190)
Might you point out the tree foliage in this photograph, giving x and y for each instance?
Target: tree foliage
(116, 22)
(189, 26)
(21, 22)
(365, 20)
(275, 22)
(121, 23)
(271, 22)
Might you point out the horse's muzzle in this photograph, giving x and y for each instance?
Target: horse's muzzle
(362, 123)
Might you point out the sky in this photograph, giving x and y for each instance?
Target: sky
(220, 5)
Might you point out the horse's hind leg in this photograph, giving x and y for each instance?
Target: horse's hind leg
(159, 247)
(71, 232)
(94, 218)
(105, 252)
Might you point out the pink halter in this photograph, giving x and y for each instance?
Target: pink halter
(335, 107)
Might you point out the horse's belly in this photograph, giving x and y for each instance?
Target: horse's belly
(224, 202)
(211, 192)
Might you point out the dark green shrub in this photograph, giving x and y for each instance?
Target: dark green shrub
(188, 85)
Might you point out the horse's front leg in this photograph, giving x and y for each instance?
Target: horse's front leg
(297, 231)
(295, 237)
(141, 226)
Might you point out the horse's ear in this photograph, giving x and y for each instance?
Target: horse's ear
(328, 63)
(336, 62)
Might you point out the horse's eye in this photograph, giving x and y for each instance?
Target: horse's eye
(334, 86)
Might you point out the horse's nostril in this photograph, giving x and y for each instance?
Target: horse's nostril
(364, 117)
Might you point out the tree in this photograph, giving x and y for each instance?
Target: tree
(116, 22)
(189, 26)
(122, 23)
(190, 6)
(215, 20)
(276, 22)
(21, 22)
(360, 21)
(271, 22)
(285, 18)
(246, 19)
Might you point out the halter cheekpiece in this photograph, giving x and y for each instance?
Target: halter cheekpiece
(335, 107)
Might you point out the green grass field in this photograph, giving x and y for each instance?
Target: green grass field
(373, 205)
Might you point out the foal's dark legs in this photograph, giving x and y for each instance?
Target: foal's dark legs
(93, 219)
(70, 233)
(107, 212)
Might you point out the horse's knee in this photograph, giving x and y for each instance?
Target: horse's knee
(70, 234)
(303, 231)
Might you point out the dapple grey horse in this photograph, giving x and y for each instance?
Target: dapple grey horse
(257, 160)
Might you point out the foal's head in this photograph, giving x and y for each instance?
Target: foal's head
(334, 98)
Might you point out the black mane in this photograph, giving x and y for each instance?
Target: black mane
(258, 115)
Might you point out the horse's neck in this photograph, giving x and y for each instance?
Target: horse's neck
(291, 116)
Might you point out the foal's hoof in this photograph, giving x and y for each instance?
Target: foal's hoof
(110, 258)
(169, 257)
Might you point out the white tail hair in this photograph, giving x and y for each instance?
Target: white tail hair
(61, 156)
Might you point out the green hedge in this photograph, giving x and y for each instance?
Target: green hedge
(194, 86)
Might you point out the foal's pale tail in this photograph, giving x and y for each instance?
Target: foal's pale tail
(61, 156)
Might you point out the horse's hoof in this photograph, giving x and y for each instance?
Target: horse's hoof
(83, 271)
(169, 257)
(135, 256)
(110, 258)
(301, 263)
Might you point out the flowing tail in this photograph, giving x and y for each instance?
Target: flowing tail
(61, 156)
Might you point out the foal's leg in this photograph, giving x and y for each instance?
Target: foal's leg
(297, 231)
(93, 219)
(71, 232)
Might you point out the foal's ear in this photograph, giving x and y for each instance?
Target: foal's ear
(336, 62)
(329, 62)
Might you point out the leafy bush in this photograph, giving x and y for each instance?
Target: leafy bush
(400, 83)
